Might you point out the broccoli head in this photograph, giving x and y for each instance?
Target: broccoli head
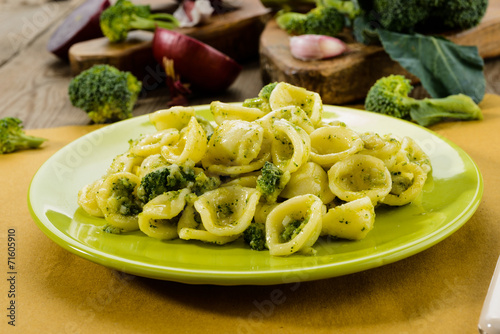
(272, 181)
(105, 93)
(458, 14)
(319, 21)
(117, 20)
(408, 16)
(164, 179)
(389, 95)
(255, 236)
(13, 138)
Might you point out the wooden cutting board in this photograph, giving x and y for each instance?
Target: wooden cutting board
(347, 78)
(234, 33)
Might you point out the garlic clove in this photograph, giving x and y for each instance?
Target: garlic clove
(316, 47)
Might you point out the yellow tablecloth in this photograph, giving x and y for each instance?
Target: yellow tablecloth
(440, 290)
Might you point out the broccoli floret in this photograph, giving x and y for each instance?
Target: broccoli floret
(13, 138)
(319, 21)
(389, 95)
(349, 8)
(255, 236)
(164, 179)
(105, 93)
(272, 181)
(117, 20)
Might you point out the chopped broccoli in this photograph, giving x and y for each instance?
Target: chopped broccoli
(13, 138)
(424, 15)
(164, 179)
(123, 192)
(105, 93)
(204, 183)
(262, 100)
(272, 181)
(117, 20)
(292, 229)
(389, 95)
(255, 236)
(319, 21)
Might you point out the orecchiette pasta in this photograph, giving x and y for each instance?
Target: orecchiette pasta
(271, 172)
(352, 220)
(159, 216)
(117, 199)
(227, 211)
(358, 176)
(330, 144)
(294, 225)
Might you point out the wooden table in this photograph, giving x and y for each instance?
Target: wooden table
(33, 82)
(440, 290)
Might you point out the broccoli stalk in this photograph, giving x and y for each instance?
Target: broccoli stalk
(105, 93)
(13, 138)
(255, 236)
(389, 95)
(272, 181)
(117, 20)
(321, 20)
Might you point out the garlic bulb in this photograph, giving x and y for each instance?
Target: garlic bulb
(315, 47)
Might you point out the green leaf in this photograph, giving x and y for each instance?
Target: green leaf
(443, 67)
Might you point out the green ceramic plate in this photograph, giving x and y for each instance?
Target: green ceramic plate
(450, 198)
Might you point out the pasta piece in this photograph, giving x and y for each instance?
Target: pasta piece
(126, 162)
(226, 111)
(192, 145)
(408, 180)
(358, 176)
(117, 199)
(413, 153)
(352, 220)
(293, 114)
(87, 199)
(176, 117)
(159, 216)
(227, 211)
(263, 210)
(310, 178)
(385, 148)
(152, 143)
(190, 227)
(291, 146)
(245, 180)
(151, 163)
(294, 225)
(330, 144)
(236, 147)
(285, 94)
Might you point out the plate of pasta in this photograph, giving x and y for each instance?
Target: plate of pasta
(279, 188)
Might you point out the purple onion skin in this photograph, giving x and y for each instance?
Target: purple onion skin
(197, 63)
(81, 25)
